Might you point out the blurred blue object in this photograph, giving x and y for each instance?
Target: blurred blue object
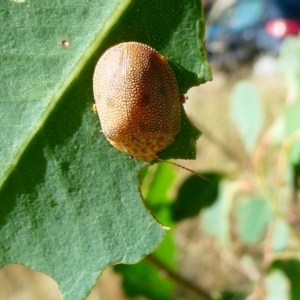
(245, 28)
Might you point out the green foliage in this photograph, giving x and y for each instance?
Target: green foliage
(292, 122)
(195, 194)
(281, 235)
(290, 66)
(215, 219)
(69, 203)
(253, 215)
(232, 296)
(250, 212)
(143, 278)
(184, 144)
(258, 208)
(291, 268)
(277, 286)
(247, 113)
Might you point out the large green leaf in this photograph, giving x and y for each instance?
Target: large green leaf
(69, 202)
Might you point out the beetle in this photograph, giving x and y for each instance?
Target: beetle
(137, 100)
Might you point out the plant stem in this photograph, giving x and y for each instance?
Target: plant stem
(177, 278)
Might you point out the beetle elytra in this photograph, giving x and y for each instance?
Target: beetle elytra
(138, 100)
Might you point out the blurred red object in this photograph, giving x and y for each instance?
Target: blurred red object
(283, 27)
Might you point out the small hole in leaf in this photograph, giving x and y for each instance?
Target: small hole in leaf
(65, 43)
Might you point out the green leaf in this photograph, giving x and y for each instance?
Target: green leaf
(291, 268)
(184, 144)
(215, 219)
(247, 113)
(232, 296)
(289, 63)
(159, 201)
(253, 215)
(70, 202)
(143, 278)
(277, 286)
(281, 234)
(157, 184)
(195, 194)
(276, 132)
(292, 123)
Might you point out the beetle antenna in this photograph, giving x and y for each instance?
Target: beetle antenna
(182, 167)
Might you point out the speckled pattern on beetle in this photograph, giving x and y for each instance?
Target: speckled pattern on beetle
(137, 100)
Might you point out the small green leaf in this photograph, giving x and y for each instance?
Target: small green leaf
(253, 215)
(291, 268)
(292, 123)
(156, 185)
(215, 218)
(195, 194)
(247, 113)
(276, 132)
(277, 286)
(232, 296)
(212, 219)
(142, 279)
(158, 200)
(281, 234)
(289, 63)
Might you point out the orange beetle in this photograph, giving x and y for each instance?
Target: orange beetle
(137, 100)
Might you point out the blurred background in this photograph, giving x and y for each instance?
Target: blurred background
(249, 31)
(238, 235)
